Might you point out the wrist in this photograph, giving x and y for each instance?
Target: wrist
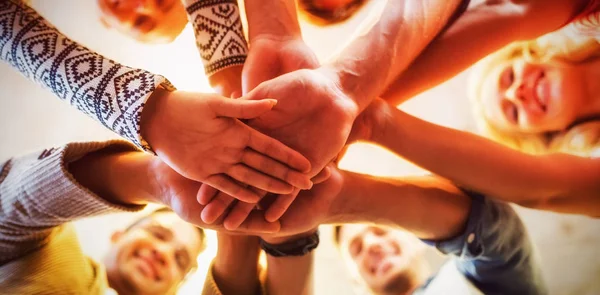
(279, 21)
(275, 240)
(117, 176)
(349, 85)
(151, 116)
(234, 251)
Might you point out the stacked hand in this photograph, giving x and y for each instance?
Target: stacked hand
(202, 139)
(270, 56)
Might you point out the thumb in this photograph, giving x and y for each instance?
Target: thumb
(242, 109)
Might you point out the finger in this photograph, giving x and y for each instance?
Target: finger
(341, 154)
(274, 168)
(239, 212)
(249, 176)
(256, 223)
(242, 109)
(278, 151)
(322, 176)
(280, 205)
(206, 193)
(216, 208)
(227, 185)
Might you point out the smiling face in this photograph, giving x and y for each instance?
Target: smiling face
(151, 21)
(153, 256)
(389, 261)
(522, 96)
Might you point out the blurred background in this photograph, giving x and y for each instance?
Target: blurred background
(32, 118)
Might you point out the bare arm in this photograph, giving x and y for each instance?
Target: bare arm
(235, 267)
(292, 274)
(44, 190)
(482, 30)
(556, 182)
(278, 18)
(407, 202)
(403, 31)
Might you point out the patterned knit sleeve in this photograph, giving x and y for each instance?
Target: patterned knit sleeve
(110, 93)
(38, 194)
(219, 33)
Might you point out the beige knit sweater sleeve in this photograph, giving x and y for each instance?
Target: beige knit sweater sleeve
(38, 194)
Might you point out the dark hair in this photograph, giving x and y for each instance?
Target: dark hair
(326, 17)
(337, 229)
(161, 211)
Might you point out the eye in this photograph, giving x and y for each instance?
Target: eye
(378, 231)
(508, 78)
(157, 234)
(511, 112)
(144, 23)
(182, 259)
(355, 247)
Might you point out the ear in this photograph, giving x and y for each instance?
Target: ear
(116, 236)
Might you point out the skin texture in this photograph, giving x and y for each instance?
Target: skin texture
(149, 21)
(554, 182)
(202, 140)
(276, 48)
(154, 256)
(389, 261)
(521, 96)
(480, 31)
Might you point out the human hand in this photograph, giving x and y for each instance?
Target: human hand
(226, 210)
(227, 82)
(312, 115)
(200, 138)
(168, 187)
(370, 124)
(310, 209)
(272, 56)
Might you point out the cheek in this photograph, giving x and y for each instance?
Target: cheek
(567, 95)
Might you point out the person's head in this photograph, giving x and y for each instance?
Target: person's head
(388, 261)
(149, 21)
(328, 12)
(153, 255)
(539, 98)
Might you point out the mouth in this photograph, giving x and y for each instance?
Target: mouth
(540, 93)
(384, 267)
(147, 267)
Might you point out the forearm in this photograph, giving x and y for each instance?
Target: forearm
(404, 29)
(102, 91)
(429, 207)
(116, 175)
(481, 31)
(225, 45)
(485, 166)
(39, 194)
(290, 275)
(235, 267)
(277, 19)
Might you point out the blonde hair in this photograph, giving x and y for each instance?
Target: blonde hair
(582, 139)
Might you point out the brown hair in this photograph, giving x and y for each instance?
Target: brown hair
(325, 17)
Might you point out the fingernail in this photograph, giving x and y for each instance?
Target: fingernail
(273, 101)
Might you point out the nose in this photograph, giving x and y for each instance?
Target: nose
(160, 255)
(516, 93)
(373, 246)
